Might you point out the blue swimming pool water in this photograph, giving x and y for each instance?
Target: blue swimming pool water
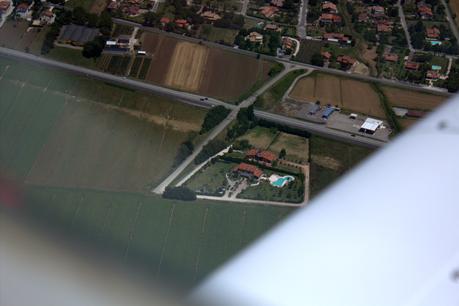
(280, 182)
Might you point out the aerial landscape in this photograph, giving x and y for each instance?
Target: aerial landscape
(174, 133)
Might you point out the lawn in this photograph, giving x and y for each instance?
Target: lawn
(296, 147)
(260, 137)
(330, 159)
(72, 56)
(85, 4)
(210, 178)
(220, 35)
(272, 97)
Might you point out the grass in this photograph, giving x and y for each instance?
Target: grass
(260, 137)
(330, 159)
(220, 35)
(177, 241)
(121, 29)
(296, 147)
(85, 4)
(269, 99)
(210, 178)
(72, 56)
(118, 65)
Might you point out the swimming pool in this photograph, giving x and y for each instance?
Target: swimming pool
(280, 181)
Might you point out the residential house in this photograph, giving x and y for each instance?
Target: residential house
(326, 55)
(254, 37)
(47, 16)
(24, 10)
(345, 60)
(384, 27)
(248, 171)
(432, 75)
(413, 66)
(113, 5)
(272, 27)
(326, 18)
(376, 11)
(6, 8)
(288, 43)
(261, 156)
(337, 38)
(269, 11)
(164, 21)
(182, 23)
(363, 18)
(391, 57)
(210, 16)
(424, 11)
(329, 7)
(133, 11)
(433, 33)
(278, 3)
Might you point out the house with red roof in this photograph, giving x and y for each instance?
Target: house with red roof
(269, 11)
(384, 27)
(432, 33)
(413, 66)
(261, 156)
(391, 57)
(424, 11)
(164, 21)
(248, 171)
(345, 60)
(432, 75)
(337, 38)
(278, 3)
(326, 55)
(326, 18)
(182, 23)
(329, 7)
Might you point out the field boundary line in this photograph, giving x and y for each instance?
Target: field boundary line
(198, 255)
(166, 236)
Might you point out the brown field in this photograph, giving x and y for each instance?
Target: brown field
(412, 99)
(406, 122)
(259, 137)
(208, 71)
(346, 93)
(297, 147)
(187, 66)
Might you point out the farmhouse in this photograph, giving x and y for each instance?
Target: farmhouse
(76, 35)
(391, 57)
(248, 171)
(370, 126)
(261, 156)
(268, 11)
(210, 16)
(329, 7)
(326, 18)
(412, 66)
(254, 37)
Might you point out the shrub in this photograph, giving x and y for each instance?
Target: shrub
(179, 193)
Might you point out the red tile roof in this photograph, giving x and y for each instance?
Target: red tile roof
(164, 20)
(254, 170)
(345, 59)
(411, 65)
(391, 57)
(267, 155)
(433, 32)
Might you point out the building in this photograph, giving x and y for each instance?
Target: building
(164, 21)
(47, 16)
(391, 57)
(345, 60)
(432, 33)
(261, 156)
(6, 8)
(412, 66)
(329, 7)
(268, 11)
(384, 27)
(248, 171)
(182, 23)
(278, 3)
(370, 126)
(424, 11)
(24, 10)
(254, 37)
(272, 27)
(210, 16)
(326, 18)
(326, 55)
(327, 112)
(432, 75)
(376, 11)
(337, 38)
(76, 35)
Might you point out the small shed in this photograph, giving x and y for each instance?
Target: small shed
(370, 126)
(327, 112)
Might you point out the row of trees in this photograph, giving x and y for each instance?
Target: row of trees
(179, 193)
(213, 117)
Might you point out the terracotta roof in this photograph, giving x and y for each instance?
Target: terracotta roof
(391, 57)
(345, 59)
(164, 20)
(330, 17)
(278, 3)
(327, 5)
(327, 55)
(268, 11)
(270, 156)
(384, 27)
(412, 65)
(251, 153)
(432, 74)
(209, 15)
(254, 170)
(433, 32)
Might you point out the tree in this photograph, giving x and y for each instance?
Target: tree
(93, 48)
(105, 23)
(179, 193)
(79, 16)
(150, 19)
(282, 154)
(213, 118)
(317, 59)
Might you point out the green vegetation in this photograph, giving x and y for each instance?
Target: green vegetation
(173, 240)
(390, 115)
(210, 178)
(179, 193)
(330, 159)
(219, 35)
(71, 56)
(118, 64)
(213, 117)
(213, 147)
(274, 95)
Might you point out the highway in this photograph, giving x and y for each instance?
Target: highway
(388, 82)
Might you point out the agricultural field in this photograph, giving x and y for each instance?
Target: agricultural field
(412, 99)
(177, 241)
(351, 95)
(68, 131)
(330, 159)
(202, 69)
(14, 35)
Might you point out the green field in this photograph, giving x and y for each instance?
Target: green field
(179, 241)
(85, 157)
(330, 159)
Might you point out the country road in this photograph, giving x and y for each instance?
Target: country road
(450, 19)
(217, 130)
(401, 14)
(302, 19)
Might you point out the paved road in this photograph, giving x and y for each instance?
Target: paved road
(450, 19)
(245, 5)
(247, 201)
(302, 20)
(382, 81)
(217, 130)
(401, 14)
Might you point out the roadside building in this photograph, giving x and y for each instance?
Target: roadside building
(269, 11)
(363, 18)
(337, 38)
(432, 75)
(24, 10)
(76, 35)
(164, 21)
(327, 112)
(6, 8)
(370, 126)
(254, 37)
(248, 171)
(182, 23)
